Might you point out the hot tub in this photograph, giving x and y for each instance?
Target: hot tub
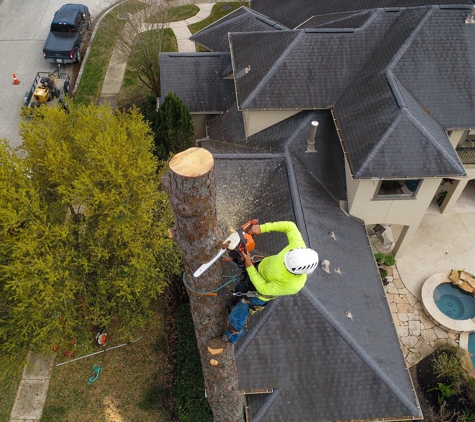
(457, 310)
(454, 302)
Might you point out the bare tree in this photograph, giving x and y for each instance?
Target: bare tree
(142, 37)
(190, 186)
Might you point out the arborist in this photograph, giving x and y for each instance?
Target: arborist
(277, 275)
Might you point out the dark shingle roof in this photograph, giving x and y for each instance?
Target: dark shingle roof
(320, 364)
(203, 70)
(293, 13)
(226, 133)
(438, 68)
(337, 20)
(365, 75)
(215, 36)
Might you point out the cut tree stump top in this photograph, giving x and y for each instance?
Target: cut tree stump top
(194, 162)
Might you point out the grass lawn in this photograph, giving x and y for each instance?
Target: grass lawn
(175, 14)
(219, 10)
(129, 387)
(10, 375)
(103, 44)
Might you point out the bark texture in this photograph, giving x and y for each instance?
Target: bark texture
(190, 185)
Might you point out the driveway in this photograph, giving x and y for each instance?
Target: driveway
(24, 28)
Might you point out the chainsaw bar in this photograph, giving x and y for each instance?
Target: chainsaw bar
(232, 241)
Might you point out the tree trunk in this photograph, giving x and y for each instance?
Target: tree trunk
(190, 186)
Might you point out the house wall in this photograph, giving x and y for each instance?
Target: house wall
(255, 121)
(199, 122)
(406, 212)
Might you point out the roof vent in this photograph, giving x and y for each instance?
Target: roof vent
(471, 16)
(311, 138)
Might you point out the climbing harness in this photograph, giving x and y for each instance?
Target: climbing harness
(95, 374)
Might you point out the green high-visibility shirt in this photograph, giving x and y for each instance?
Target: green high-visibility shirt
(273, 278)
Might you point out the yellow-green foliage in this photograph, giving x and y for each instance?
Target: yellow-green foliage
(84, 227)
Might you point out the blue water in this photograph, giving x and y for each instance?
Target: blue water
(454, 302)
(471, 346)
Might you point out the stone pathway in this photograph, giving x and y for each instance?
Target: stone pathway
(418, 334)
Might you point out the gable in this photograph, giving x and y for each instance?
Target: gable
(215, 36)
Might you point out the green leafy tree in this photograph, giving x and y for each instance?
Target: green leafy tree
(83, 225)
(173, 127)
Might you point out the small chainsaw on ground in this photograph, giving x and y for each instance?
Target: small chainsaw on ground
(237, 243)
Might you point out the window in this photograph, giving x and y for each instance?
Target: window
(393, 189)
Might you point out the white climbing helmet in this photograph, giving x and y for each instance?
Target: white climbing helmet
(301, 261)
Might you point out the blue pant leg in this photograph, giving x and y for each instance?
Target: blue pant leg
(237, 320)
(257, 302)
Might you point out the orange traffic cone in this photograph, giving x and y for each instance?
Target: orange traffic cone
(15, 80)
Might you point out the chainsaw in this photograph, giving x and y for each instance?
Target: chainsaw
(237, 243)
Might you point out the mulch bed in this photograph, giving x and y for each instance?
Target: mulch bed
(424, 380)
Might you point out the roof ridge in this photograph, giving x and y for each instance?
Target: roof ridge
(406, 44)
(268, 402)
(273, 68)
(428, 135)
(244, 343)
(374, 151)
(292, 178)
(218, 24)
(246, 11)
(385, 379)
(266, 19)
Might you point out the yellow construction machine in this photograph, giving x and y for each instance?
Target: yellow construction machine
(46, 87)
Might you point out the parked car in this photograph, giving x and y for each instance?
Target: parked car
(68, 28)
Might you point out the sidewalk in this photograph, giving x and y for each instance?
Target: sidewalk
(31, 394)
(34, 384)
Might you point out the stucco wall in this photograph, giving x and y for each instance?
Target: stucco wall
(255, 121)
(407, 211)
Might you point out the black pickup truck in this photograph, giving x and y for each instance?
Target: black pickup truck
(67, 31)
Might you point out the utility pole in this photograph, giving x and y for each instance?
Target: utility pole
(190, 184)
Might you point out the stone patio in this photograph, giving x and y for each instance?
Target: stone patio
(418, 334)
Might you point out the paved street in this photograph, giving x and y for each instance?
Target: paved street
(24, 28)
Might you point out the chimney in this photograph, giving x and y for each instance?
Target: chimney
(471, 16)
(311, 138)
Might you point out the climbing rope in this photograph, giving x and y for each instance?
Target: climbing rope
(232, 279)
(95, 374)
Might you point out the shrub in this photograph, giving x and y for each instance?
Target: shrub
(383, 259)
(448, 369)
(389, 260)
(446, 365)
(444, 391)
